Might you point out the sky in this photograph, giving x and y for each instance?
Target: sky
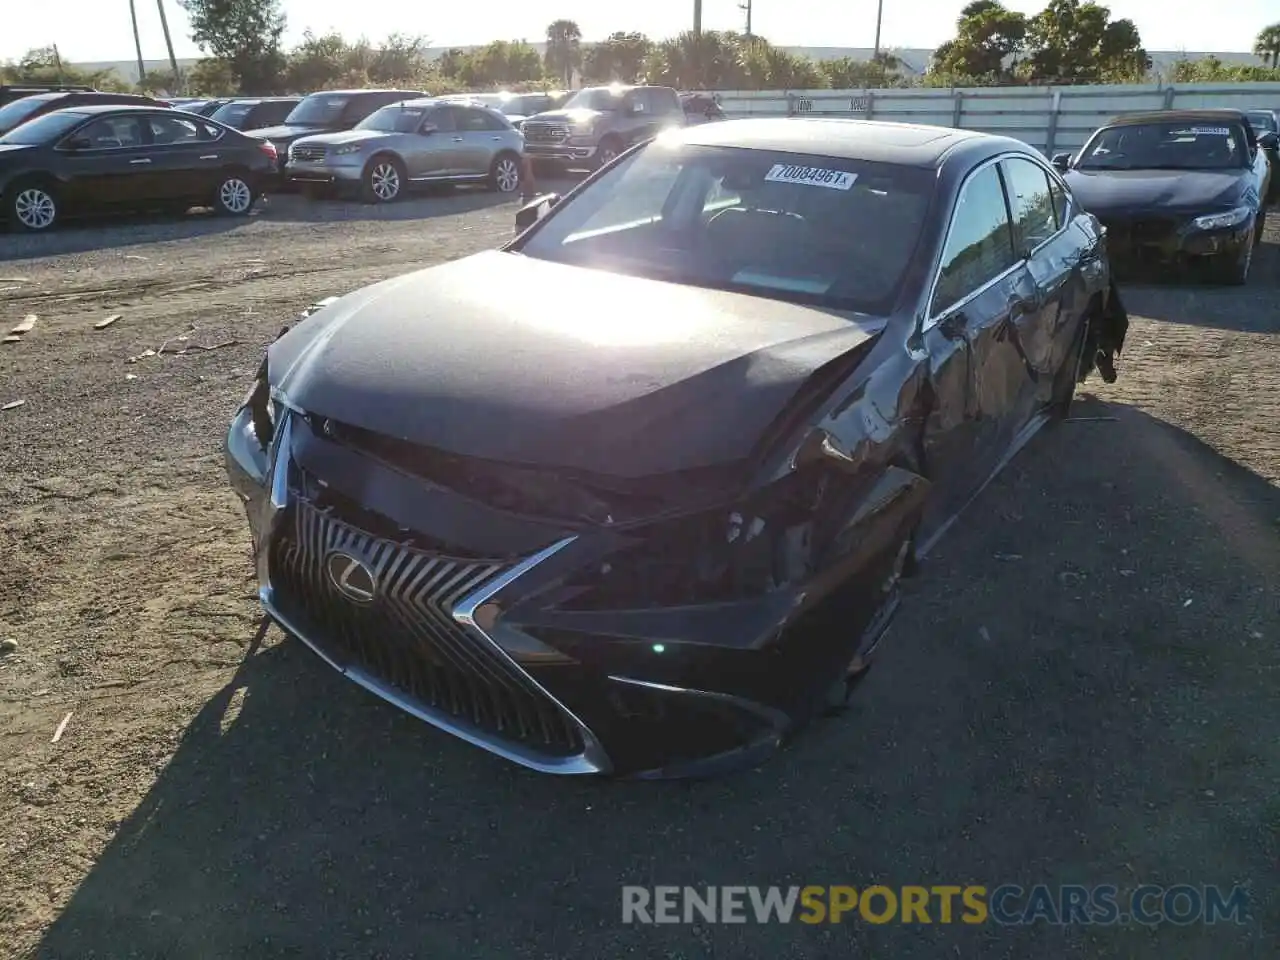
(96, 30)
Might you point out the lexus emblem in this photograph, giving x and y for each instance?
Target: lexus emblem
(352, 578)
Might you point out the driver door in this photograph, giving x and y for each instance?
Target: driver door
(433, 155)
(113, 166)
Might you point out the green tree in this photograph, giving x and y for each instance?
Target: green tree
(43, 65)
(1267, 45)
(399, 59)
(1079, 42)
(244, 33)
(318, 62)
(564, 49)
(500, 64)
(847, 73)
(988, 39)
(211, 77)
(619, 57)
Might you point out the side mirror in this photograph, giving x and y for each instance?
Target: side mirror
(535, 210)
(428, 128)
(1269, 140)
(79, 143)
(1062, 161)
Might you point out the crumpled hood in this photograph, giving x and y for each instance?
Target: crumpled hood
(502, 357)
(286, 131)
(581, 115)
(339, 137)
(1171, 191)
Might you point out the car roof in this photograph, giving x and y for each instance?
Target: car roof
(92, 109)
(1220, 114)
(906, 144)
(347, 93)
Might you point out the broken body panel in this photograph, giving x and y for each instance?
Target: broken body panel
(682, 596)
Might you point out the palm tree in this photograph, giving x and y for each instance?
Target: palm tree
(168, 41)
(1267, 45)
(564, 49)
(137, 41)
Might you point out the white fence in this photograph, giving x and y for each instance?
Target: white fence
(1052, 119)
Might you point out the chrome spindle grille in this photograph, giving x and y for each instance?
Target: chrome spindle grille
(406, 636)
(308, 152)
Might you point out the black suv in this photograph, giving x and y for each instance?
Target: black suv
(19, 111)
(256, 112)
(328, 112)
(598, 123)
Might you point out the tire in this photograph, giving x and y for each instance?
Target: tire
(32, 207)
(384, 180)
(1068, 375)
(234, 196)
(609, 148)
(504, 173)
(1233, 269)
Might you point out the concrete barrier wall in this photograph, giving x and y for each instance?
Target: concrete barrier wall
(1052, 119)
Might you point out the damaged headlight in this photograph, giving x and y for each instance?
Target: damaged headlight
(261, 407)
(1220, 221)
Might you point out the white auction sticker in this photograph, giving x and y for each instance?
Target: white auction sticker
(811, 176)
(1211, 131)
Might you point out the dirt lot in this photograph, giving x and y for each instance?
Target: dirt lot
(1081, 688)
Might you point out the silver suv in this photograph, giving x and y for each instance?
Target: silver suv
(413, 142)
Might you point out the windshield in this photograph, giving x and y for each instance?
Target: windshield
(393, 119)
(597, 98)
(318, 110)
(14, 113)
(233, 114)
(1180, 145)
(1263, 122)
(837, 233)
(44, 129)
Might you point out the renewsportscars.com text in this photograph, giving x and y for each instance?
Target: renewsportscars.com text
(1007, 905)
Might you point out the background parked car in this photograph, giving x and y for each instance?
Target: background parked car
(414, 142)
(204, 108)
(1176, 188)
(327, 112)
(701, 108)
(28, 108)
(16, 91)
(598, 123)
(254, 114)
(516, 107)
(102, 158)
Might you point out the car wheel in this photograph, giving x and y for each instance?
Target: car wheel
(1234, 268)
(1068, 376)
(504, 176)
(33, 207)
(609, 148)
(234, 197)
(383, 180)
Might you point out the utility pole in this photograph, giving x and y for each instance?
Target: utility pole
(697, 18)
(168, 42)
(875, 57)
(137, 41)
(57, 62)
(746, 8)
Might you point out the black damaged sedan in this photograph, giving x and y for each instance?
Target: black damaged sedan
(635, 493)
(1177, 189)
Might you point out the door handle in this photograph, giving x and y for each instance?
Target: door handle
(457, 139)
(143, 160)
(498, 139)
(210, 156)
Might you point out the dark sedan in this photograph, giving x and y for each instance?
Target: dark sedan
(100, 159)
(635, 493)
(256, 113)
(14, 114)
(1177, 188)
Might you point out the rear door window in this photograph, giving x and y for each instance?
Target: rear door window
(1035, 219)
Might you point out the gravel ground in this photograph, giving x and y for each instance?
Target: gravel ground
(1080, 689)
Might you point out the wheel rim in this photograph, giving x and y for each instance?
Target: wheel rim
(508, 175)
(607, 154)
(35, 209)
(385, 181)
(235, 195)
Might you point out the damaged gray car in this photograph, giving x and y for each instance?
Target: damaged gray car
(635, 494)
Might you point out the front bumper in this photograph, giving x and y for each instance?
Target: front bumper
(1170, 242)
(479, 644)
(347, 171)
(567, 151)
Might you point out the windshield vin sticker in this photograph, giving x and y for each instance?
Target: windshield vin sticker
(1211, 131)
(811, 176)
